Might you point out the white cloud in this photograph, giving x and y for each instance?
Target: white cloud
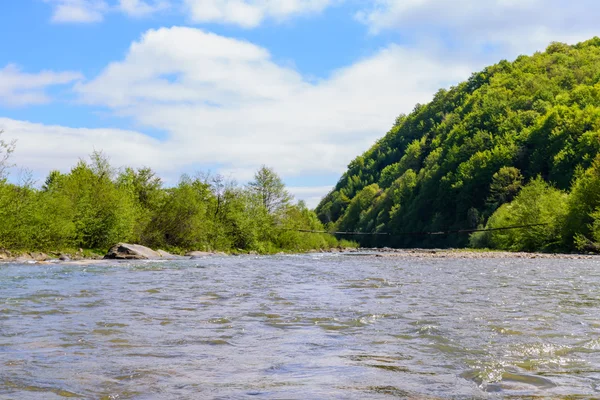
(19, 88)
(140, 8)
(225, 101)
(470, 27)
(245, 13)
(311, 195)
(250, 13)
(42, 148)
(86, 11)
(78, 11)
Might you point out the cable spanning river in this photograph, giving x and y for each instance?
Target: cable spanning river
(301, 327)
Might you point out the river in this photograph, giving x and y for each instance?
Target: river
(318, 326)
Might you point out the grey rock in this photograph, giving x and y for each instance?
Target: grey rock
(64, 257)
(24, 258)
(198, 254)
(168, 256)
(37, 256)
(125, 251)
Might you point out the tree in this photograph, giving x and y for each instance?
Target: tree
(144, 183)
(269, 188)
(181, 221)
(6, 149)
(104, 213)
(474, 147)
(505, 185)
(539, 205)
(584, 202)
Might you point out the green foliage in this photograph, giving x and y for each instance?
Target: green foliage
(103, 213)
(584, 207)
(270, 190)
(145, 188)
(537, 204)
(473, 147)
(181, 220)
(94, 207)
(298, 217)
(506, 184)
(358, 207)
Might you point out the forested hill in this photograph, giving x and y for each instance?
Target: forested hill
(525, 133)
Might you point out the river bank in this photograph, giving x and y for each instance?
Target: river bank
(464, 254)
(93, 255)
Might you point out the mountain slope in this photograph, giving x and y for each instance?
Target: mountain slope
(451, 163)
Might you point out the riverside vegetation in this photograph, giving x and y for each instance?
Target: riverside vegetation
(95, 206)
(516, 144)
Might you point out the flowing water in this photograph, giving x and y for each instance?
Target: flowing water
(301, 327)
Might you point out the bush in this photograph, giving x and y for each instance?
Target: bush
(537, 204)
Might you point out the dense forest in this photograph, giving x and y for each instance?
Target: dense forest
(95, 206)
(516, 144)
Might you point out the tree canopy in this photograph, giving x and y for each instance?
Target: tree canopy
(270, 190)
(95, 206)
(454, 162)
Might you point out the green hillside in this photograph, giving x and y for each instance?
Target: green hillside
(515, 144)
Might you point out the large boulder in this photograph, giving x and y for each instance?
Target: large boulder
(125, 251)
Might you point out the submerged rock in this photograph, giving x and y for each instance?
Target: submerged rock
(125, 251)
(198, 254)
(168, 256)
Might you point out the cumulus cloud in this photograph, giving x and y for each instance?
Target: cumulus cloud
(250, 13)
(499, 27)
(245, 13)
(86, 11)
(140, 8)
(311, 195)
(18, 88)
(225, 101)
(42, 148)
(78, 11)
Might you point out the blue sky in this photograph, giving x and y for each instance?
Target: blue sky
(227, 85)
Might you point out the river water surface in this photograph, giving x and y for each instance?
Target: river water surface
(301, 327)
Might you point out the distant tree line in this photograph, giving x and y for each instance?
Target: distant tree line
(516, 144)
(95, 206)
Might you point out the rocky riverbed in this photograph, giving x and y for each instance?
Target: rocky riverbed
(123, 251)
(120, 251)
(461, 253)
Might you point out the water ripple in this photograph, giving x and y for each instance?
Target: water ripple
(307, 326)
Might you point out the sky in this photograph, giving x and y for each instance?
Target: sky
(225, 86)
